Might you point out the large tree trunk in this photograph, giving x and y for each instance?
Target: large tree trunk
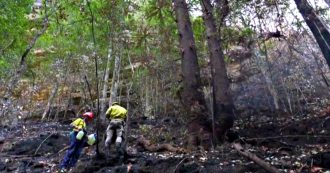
(222, 101)
(191, 96)
(318, 29)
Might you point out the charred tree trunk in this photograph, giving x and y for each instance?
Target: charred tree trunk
(128, 118)
(318, 29)
(222, 101)
(191, 96)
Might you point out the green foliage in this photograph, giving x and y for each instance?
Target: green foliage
(298, 24)
(234, 36)
(13, 20)
(13, 32)
(4, 67)
(246, 32)
(268, 45)
(230, 36)
(199, 29)
(139, 76)
(228, 59)
(145, 129)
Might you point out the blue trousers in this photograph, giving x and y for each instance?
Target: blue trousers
(73, 153)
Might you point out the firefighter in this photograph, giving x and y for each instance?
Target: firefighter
(78, 140)
(117, 116)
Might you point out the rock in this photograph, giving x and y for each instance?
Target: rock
(2, 166)
(52, 144)
(190, 167)
(2, 140)
(322, 160)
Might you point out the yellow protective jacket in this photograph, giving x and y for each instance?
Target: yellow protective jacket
(116, 112)
(78, 124)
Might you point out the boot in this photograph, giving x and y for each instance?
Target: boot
(107, 153)
(119, 154)
(63, 170)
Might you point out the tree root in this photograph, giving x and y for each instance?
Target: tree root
(146, 144)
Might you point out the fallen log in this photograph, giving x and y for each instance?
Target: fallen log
(288, 136)
(255, 158)
(146, 144)
(15, 156)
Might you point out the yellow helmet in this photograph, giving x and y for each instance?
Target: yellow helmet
(115, 103)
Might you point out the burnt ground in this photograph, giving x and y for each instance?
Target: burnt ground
(291, 144)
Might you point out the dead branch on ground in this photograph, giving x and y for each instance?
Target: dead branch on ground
(176, 167)
(146, 144)
(288, 136)
(15, 156)
(255, 158)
